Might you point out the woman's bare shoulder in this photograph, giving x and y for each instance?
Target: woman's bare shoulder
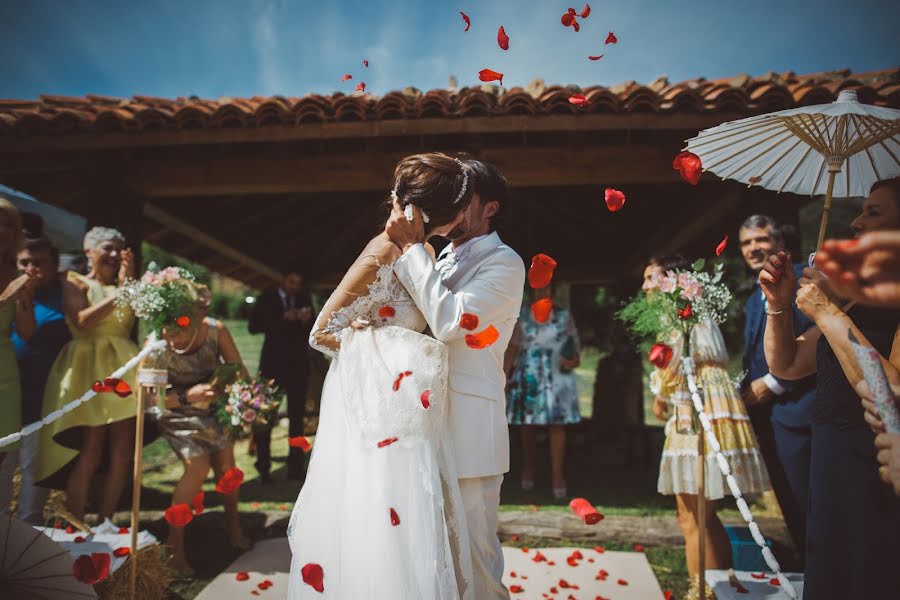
(382, 249)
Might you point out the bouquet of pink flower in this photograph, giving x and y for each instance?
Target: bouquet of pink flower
(249, 406)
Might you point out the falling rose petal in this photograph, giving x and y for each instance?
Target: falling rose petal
(541, 310)
(197, 502)
(576, 26)
(123, 530)
(488, 75)
(660, 355)
(611, 38)
(568, 19)
(300, 442)
(346, 76)
(721, 247)
(426, 398)
(469, 322)
(516, 589)
(595, 57)
(571, 11)
(585, 510)
(361, 86)
(615, 199)
(366, 64)
(480, 341)
(122, 389)
(689, 166)
(502, 38)
(183, 321)
(386, 442)
(467, 20)
(638, 547)
(179, 515)
(313, 576)
(395, 519)
(121, 552)
(91, 569)
(578, 100)
(586, 11)
(386, 312)
(541, 272)
(242, 576)
(230, 481)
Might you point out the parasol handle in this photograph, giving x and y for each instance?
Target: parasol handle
(834, 167)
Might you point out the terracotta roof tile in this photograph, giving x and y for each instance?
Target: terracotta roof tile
(743, 94)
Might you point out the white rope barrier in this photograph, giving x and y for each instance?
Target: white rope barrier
(713, 443)
(118, 374)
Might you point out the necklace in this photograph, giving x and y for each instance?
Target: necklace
(186, 348)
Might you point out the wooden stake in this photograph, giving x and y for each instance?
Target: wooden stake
(136, 489)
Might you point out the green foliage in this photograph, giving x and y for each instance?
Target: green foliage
(155, 254)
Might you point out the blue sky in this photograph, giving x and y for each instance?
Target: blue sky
(215, 48)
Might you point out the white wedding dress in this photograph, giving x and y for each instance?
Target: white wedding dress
(381, 455)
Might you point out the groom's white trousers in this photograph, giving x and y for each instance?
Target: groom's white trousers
(481, 499)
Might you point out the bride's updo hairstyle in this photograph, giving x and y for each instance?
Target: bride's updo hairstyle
(436, 183)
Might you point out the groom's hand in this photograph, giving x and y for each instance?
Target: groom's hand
(405, 233)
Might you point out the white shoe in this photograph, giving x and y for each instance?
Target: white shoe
(105, 528)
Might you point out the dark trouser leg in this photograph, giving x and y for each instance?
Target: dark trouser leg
(296, 405)
(263, 441)
(792, 445)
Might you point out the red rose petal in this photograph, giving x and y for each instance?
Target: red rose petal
(502, 38)
(467, 20)
(585, 510)
(577, 555)
(489, 75)
(400, 378)
(426, 398)
(578, 100)
(70, 529)
(591, 560)
(689, 166)
(514, 537)
(386, 442)
(571, 11)
(513, 574)
(121, 389)
(92, 569)
(183, 321)
(469, 322)
(361, 86)
(586, 11)
(230, 481)
(615, 199)
(576, 26)
(123, 551)
(123, 530)
(755, 179)
(242, 576)
(395, 519)
(479, 341)
(179, 515)
(774, 581)
(79, 539)
(568, 19)
(611, 38)
(265, 584)
(660, 355)
(622, 582)
(667, 595)
(758, 575)
(313, 576)
(686, 313)
(564, 584)
(254, 592)
(516, 589)
(197, 502)
(538, 557)
(572, 562)
(346, 76)
(541, 272)
(386, 312)
(541, 310)
(599, 549)
(553, 590)
(366, 64)
(598, 57)
(721, 247)
(97, 386)
(301, 442)
(551, 563)
(638, 547)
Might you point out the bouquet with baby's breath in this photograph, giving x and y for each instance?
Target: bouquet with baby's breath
(160, 297)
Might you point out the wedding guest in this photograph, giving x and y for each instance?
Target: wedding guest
(100, 431)
(285, 316)
(194, 354)
(541, 391)
(722, 404)
(36, 349)
(888, 444)
(780, 410)
(853, 517)
(15, 296)
(866, 270)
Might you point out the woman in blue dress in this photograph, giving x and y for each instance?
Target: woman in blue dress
(541, 389)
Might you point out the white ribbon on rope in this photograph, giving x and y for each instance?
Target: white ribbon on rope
(713, 443)
(118, 374)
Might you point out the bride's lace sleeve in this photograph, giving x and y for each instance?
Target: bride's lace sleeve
(345, 305)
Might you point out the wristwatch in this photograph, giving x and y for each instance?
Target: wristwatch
(182, 396)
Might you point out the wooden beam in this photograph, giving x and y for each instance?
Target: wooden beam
(163, 218)
(414, 127)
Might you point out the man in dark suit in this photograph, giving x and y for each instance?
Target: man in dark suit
(285, 316)
(780, 410)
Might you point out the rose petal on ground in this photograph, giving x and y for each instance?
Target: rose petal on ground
(123, 551)
(242, 576)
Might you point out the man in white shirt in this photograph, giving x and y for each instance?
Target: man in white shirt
(476, 275)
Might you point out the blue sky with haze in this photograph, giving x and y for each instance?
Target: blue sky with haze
(214, 48)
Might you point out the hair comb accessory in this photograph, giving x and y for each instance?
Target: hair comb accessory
(408, 210)
(465, 185)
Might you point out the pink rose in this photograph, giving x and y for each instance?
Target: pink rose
(249, 415)
(668, 283)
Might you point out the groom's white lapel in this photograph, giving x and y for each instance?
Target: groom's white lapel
(454, 266)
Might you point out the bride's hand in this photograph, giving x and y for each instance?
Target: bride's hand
(360, 324)
(403, 232)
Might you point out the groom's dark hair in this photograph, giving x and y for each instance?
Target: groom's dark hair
(490, 185)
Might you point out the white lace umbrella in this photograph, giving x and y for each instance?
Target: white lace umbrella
(791, 150)
(35, 567)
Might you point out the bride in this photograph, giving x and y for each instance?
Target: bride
(380, 514)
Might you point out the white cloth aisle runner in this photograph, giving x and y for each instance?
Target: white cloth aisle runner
(271, 560)
(757, 588)
(100, 542)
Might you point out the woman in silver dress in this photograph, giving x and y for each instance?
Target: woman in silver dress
(189, 424)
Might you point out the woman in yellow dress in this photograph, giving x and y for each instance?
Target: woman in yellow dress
(72, 447)
(14, 306)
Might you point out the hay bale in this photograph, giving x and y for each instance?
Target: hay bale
(153, 577)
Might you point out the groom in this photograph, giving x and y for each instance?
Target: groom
(476, 274)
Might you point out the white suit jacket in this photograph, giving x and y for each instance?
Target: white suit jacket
(488, 284)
